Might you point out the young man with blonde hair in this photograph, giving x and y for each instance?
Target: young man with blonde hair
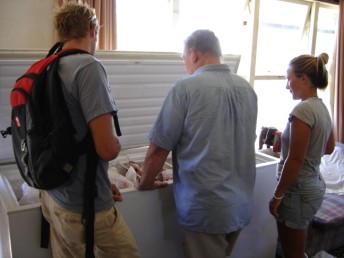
(89, 101)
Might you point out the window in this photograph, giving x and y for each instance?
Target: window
(162, 25)
(285, 29)
(326, 31)
(280, 35)
(274, 103)
(294, 28)
(326, 42)
(145, 25)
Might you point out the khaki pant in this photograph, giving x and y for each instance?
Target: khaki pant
(204, 245)
(112, 236)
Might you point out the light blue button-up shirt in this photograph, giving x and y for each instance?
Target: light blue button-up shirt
(208, 120)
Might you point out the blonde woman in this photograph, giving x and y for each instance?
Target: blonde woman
(306, 138)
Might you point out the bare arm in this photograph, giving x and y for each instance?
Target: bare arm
(330, 144)
(299, 139)
(153, 164)
(105, 141)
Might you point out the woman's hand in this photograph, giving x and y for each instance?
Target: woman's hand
(273, 206)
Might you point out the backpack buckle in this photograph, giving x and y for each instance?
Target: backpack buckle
(6, 132)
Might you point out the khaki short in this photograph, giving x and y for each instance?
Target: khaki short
(112, 236)
(205, 245)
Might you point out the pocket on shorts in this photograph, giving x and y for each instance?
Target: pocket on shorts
(312, 197)
(290, 206)
(70, 225)
(290, 201)
(310, 205)
(107, 218)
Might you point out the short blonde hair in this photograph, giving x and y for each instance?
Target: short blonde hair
(73, 20)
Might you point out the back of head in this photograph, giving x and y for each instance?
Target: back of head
(203, 41)
(313, 67)
(73, 21)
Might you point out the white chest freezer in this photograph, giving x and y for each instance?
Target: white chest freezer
(139, 83)
(151, 215)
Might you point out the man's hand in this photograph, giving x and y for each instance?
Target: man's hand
(116, 194)
(157, 184)
(153, 165)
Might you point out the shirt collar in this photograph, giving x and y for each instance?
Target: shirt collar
(212, 67)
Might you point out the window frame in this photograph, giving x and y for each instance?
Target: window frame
(315, 6)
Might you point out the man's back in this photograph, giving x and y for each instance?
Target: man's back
(208, 120)
(220, 107)
(212, 116)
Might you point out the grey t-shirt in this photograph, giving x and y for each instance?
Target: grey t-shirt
(313, 112)
(87, 95)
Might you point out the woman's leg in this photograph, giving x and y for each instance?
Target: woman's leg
(293, 241)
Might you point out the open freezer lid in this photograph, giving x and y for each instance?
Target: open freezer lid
(139, 83)
(232, 61)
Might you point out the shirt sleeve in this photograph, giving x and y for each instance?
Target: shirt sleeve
(168, 125)
(94, 91)
(304, 112)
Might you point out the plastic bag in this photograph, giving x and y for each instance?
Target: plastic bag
(167, 174)
(30, 195)
(131, 174)
(120, 181)
(322, 254)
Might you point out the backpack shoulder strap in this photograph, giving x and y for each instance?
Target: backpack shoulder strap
(116, 123)
(67, 52)
(55, 49)
(90, 192)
